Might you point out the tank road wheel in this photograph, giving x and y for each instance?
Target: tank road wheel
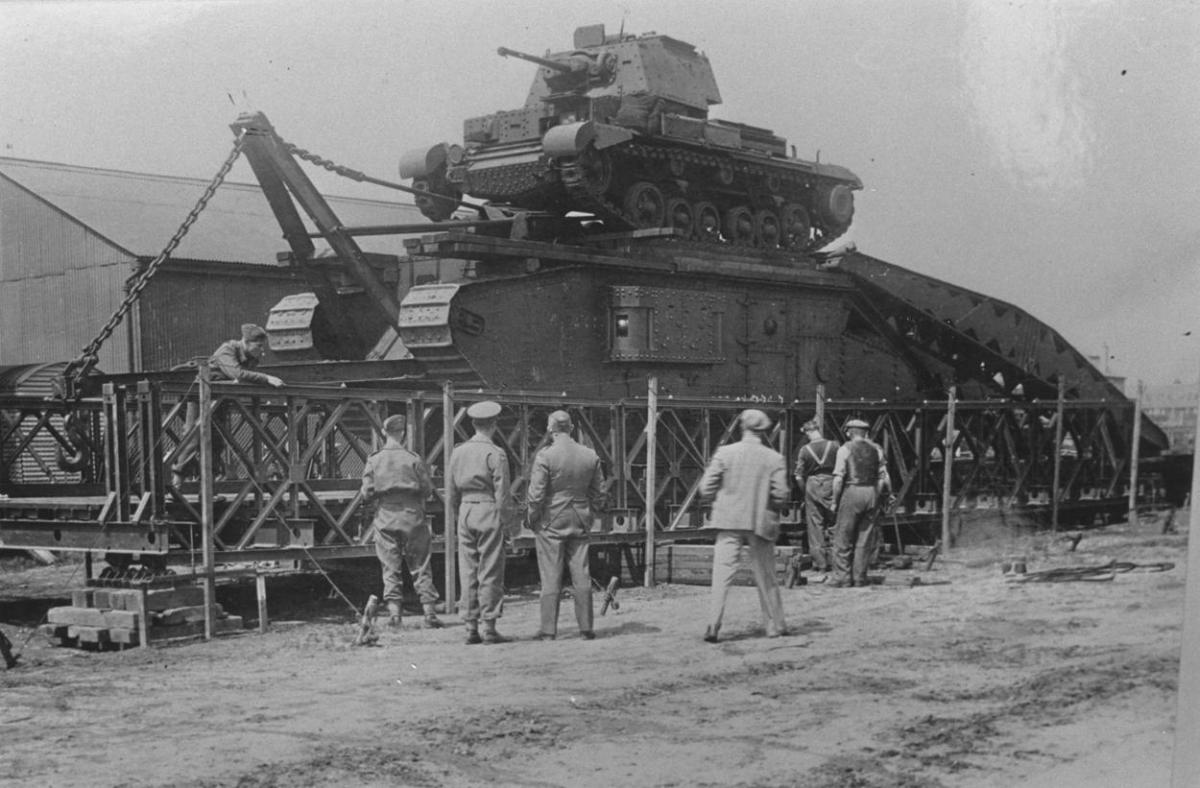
(738, 225)
(766, 228)
(707, 221)
(644, 205)
(680, 216)
(797, 227)
(835, 206)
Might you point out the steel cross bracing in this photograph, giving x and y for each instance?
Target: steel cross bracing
(289, 462)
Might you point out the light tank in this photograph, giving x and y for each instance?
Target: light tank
(618, 128)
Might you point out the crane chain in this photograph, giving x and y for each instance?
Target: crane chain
(78, 369)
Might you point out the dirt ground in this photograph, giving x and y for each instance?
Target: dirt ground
(966, 679)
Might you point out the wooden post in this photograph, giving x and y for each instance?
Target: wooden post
(1185, 768)
(260, 592)
(206, 498)
(450, 528)
(143, 612)
(1058, 439)
(1135, 445)
(651, 473)
(820, 406)
(947, 468)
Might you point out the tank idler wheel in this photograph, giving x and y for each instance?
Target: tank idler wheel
(738, 225)
(681, 216)
(835, 204)
(595, 168)
(767, 231)
(644, 205)
(707, 221)
(797, 226)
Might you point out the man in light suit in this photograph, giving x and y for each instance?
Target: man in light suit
(748, 481)
(565, 485)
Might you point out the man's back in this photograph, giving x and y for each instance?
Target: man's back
(566, 483)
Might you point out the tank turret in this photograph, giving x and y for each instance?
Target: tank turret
(618, 128)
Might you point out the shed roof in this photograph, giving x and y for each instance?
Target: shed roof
(141, 212)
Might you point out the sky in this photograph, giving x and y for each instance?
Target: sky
(1044, 153)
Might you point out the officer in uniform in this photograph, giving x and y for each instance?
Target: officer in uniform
(478, 480)
(748, 481)
(565, 485)
(398, 482)
(860, 481)
(814, 474)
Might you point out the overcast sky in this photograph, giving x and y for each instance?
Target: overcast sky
(1043, 152)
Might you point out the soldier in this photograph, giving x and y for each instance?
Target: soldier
(234, 360)
(566, 484)
(398, 481)
(814, 474)
(237, 358)
(478, 476)
(860, 479)
(749, 482)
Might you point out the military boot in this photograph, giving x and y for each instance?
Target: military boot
(490, 635)
(473, 633)
(394, 616)
(431, 619)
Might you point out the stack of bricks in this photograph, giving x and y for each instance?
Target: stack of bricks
(118, 618)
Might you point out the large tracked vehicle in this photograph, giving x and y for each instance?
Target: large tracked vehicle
(618, 128)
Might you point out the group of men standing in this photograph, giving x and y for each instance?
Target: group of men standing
(745, 482)
(565, 486)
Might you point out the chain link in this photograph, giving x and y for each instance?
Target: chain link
(78, 369)
(356, 175)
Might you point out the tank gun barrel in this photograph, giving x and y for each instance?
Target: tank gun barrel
(553, 65)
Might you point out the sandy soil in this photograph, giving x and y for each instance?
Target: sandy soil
(968, 679)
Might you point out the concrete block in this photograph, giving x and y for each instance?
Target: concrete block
(126, 637)
(75, 616)
(124, 619)
(168, 598)
(89, 634)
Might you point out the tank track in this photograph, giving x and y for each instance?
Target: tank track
(750, 184)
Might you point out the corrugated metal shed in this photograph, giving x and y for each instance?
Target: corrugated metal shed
(70, 238)
(139, 213)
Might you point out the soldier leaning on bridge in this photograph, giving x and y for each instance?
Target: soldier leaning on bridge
(234, 360)
(860, 480)
(478, 481)
(397, 480)
(814, 474)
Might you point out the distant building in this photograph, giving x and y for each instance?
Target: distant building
(72, 237)
(1173, 408)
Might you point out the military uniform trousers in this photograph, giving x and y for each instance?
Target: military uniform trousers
(853, 533)
(480, 559)
(818, 512)
(726, 551)
(402, 539)
(554, 554)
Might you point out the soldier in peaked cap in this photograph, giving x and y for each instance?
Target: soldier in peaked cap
(565, 485)
(747, 483)
(814, 474)
(478, 480)
(397, 480)
(860, 481)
